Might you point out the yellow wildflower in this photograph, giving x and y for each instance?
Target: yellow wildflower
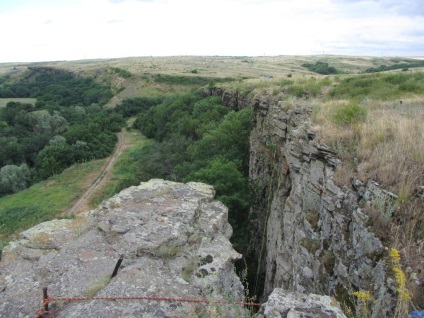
(394, 254)
(363, 295)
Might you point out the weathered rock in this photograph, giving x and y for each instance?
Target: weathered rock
(311, 234)
(175, 240)
(295, 305)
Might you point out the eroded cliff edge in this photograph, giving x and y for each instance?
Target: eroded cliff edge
(311, 235)
(175, 240)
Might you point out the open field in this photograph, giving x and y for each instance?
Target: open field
(4, 101)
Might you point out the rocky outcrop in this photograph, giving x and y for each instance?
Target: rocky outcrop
(233, 100)
(311, 236)
(295, 305)
(175, 241)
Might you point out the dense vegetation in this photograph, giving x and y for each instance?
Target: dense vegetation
(121, 72)
(189, 80)
(397, 66)
(56, 89)
(133, 106)
(65, 126)
(199, 140)
(320, 68)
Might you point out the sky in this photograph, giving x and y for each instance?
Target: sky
(51, 30)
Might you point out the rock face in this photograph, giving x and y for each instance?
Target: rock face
(295, 305)
(175, 241)
(311, 235)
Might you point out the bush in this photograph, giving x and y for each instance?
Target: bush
(320, 68)
(398, 66)
(349, 114)
(296, 90)
(121, 72)
(14, 179)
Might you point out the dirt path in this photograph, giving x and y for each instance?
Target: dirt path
(83, 203)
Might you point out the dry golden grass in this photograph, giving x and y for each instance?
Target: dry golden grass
(391, 148)
(389, 145)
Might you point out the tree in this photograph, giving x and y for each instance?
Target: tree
(42, 122)
(229, 140)
(14, 179)
(54, 159)
(57, 140)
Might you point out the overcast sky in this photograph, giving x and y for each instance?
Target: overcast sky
(48, 30)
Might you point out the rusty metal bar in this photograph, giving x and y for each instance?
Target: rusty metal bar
(118, 264)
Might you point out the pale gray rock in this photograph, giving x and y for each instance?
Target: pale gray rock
(283, 304)
(175, 240)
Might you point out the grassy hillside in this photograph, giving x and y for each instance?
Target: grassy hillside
(45, 200)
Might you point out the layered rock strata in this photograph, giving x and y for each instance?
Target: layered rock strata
(311, 235)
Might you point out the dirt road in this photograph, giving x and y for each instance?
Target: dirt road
(82, 204)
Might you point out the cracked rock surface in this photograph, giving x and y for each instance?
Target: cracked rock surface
(175, 242)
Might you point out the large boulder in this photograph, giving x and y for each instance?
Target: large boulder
(284, 304)
(175, 242)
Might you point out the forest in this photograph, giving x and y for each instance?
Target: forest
(66, 125)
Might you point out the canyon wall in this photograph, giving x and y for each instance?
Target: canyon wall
(310, 235)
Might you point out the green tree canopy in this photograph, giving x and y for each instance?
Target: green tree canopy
(14, 179)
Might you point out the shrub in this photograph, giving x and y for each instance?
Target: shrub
(296, 90)
(320, 68)
(14, 179)
(121, 72)
(349, 114)
(398, 66)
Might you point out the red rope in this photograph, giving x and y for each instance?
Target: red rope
(221, 302)
(154, 298)
(41, 311)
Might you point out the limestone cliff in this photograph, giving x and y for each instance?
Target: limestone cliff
(175, 240)
(310, 234)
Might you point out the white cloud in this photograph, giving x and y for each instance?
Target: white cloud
(52, 30)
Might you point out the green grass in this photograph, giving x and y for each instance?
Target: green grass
(349, 114)
(45, 200)
(380, 86)
(4, 101)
